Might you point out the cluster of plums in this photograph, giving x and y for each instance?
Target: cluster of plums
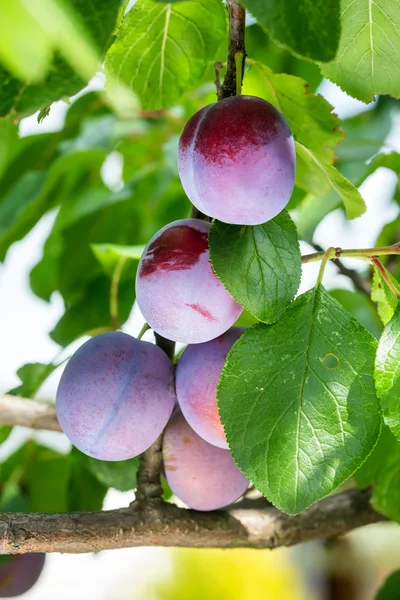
(117, 394)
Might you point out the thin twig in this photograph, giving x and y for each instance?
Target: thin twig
(359, 283)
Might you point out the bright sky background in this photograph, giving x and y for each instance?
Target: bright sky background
(26, 320)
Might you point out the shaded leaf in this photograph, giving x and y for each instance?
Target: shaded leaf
(260, 266)
(32, 376)
(314, 174)
(382, 471)
(308, 28)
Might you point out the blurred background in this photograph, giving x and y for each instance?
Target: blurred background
(114, 181)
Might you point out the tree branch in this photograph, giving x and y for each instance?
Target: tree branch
(237, 26)
(359, 283)
(161, 524)
(28, 413)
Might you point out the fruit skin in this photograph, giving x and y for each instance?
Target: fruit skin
(177, 291)
(115, 396)
(20, 573)
(203, 476)
(197, 375)
(236, 160)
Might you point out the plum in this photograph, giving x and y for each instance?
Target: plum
(203, 476)
(197, 376)
(115, 396)
(19, 573)
(236, 160)
(176, 289)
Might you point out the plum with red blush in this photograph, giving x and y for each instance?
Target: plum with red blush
(236, 160)
(177, 290)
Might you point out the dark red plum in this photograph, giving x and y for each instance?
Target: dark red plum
(197, 376)
(237, 160)
(176, 289)
(19, 573)
(203, 476)
(115, 396)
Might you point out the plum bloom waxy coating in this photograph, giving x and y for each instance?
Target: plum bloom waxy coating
(203, 476)
(115, 396)
(177, 291)
(237, 160)
(197, 375)
(19, 573)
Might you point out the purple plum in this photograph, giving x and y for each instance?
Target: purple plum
(115, 396)
(177, 291)
(203, 476)
(237, 160)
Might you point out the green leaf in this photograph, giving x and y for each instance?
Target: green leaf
(12, 499)
(309, 115)
(307, 28)
(311, 211)
(120, 475)
(390, 588)
(32, 376)
(162, 51)
(383, 296)
(109, 255)
(298, 402)
(22, 98)
(86, 492)
(260, 266)
(368, 58)
(382, 470)
(361, 308)
(261, 47)
(5, 431)
(92, 312)
(387, 373)
(314, 173)
(48, 481)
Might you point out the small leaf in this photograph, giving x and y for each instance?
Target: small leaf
(387, 373)
(315, 174)
(298, 402)
(109, 255)
(384, 297)
(382, 471)
(310, 29)
(120, 475)
(162, 51)
(5, 431)
(260, 266)
(32, 375)
(92, 312)
(390, 588)
(368, 58)
(309, 116)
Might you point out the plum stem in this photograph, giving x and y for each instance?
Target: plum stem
(234, 76)
(114, 292)
(377, 263)
(330, 253)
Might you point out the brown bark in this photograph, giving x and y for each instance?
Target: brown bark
(237, 26)
(161, 524)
